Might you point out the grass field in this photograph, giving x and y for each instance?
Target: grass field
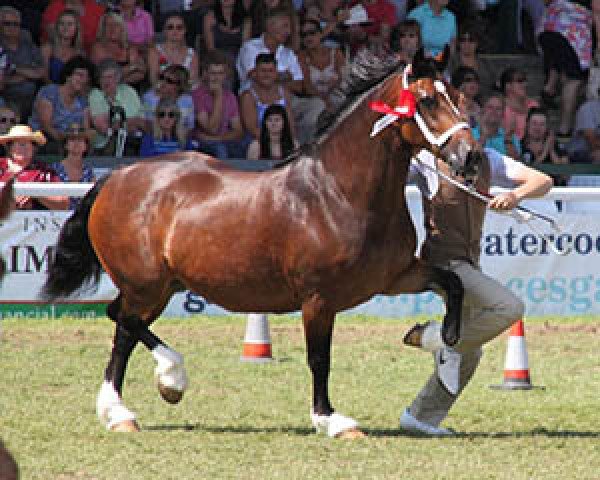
(241, 420)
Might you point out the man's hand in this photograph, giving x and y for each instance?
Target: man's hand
(504, 201)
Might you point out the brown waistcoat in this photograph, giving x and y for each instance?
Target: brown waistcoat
(454, 221)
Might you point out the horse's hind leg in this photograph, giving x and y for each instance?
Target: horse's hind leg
(318, 329)
(109, 406)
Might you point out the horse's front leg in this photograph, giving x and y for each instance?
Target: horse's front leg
(318, 330)
(419, 278)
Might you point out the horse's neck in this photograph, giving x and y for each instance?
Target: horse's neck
(365, 168)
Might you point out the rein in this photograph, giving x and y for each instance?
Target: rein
(519, 213)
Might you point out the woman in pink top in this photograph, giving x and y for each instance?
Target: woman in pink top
(513, 83)
(140, 27)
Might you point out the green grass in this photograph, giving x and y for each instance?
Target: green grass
(241, 420)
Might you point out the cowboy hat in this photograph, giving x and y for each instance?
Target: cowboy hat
(23, 132)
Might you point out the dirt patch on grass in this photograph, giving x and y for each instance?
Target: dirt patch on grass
(549, 329)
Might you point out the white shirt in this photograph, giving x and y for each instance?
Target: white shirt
(246, 60)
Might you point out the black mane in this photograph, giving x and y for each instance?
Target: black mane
(363, 73)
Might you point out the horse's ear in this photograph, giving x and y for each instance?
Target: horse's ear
(419, 57)
(442, 58)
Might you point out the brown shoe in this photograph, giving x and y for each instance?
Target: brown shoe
(414, 335)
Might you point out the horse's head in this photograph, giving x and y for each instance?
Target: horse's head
(424, 111)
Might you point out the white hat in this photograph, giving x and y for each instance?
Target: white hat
(23, 132)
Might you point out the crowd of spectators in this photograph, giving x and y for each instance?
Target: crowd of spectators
(250, 78)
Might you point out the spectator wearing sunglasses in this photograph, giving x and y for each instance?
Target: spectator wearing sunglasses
(466, 80)
(9, 117)
(173, 51)
(172, 84)
(72, 168)
(24, 62)
(166, 134)
(467, 55)
(513, 83)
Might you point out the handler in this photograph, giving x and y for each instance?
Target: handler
(453, 225)
(21, 142)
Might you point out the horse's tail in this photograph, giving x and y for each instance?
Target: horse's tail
(7, 199)
(74, 263)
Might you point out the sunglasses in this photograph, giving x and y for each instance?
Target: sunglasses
(76, 131)
(11, 120)
(11, 24)
(166, 114)
(307, 33)
(174, 27)
(519, 79)
(169, 80)
(409, 35)
(470, 79)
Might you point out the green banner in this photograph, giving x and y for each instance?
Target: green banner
(44, 310)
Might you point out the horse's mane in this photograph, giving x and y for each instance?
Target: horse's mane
(364, 72)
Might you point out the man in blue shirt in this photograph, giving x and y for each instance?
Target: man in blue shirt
(490, 133)
(438, 25)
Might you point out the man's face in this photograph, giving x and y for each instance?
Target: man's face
(537, 126)
(266, 74)
(493, 112)
(280, 29)
(11, 25)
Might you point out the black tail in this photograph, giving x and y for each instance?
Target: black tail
(74, 263)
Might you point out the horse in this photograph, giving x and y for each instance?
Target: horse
(320, 233)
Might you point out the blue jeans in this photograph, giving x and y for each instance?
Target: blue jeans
(224, 149)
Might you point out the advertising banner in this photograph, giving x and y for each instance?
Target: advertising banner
(549, 284)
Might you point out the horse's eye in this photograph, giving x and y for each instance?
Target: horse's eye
(428, 102)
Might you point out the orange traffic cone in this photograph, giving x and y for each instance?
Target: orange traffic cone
(257, 342)
(516, 366)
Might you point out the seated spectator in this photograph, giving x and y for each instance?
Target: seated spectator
(173, 83)
(172, 51)
(276, 140)
(89, 12)
(513, 83)
(260, 12)
(306, 108)
(265, 91)
(139, 24)
(9, 117)
(112, 44)
(321, 66)
(438, 26)
(405, 40)
(539, 144)
(167, 133)
(466, 80)
(73, 168)
(584, 147)
(21, 142)
(57, 106)
(219, 131)
(64, 43)
(226, 27)
(24, 62)
(566, 41)
(490, 132)
(331, 15)
(467, 55)
(114, 93)
(376, 33)
(191, 11)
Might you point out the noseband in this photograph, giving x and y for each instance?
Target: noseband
(404, 111)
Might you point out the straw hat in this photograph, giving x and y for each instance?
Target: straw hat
(23, 132)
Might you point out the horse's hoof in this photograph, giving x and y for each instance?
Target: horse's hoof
(414, 336)
(125, 426)
(170, 395)
(351, 434)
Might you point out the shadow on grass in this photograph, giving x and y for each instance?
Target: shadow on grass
(374, 433)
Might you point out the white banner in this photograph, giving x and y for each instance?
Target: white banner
(511, 252)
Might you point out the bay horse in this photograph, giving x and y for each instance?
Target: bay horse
(321, 233)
